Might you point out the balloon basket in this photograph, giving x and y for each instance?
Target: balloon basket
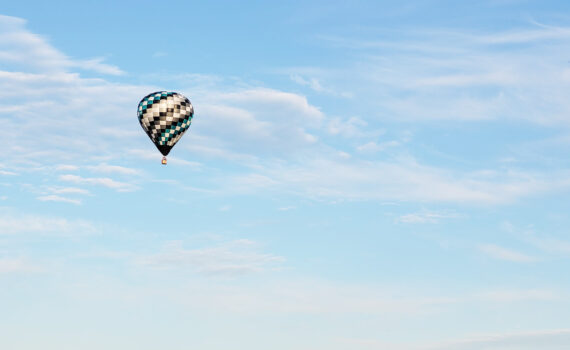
(163, 160)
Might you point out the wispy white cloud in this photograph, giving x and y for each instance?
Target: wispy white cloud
(106, 168)
(540, 34)
(39, 94)
(549, 244)
(548, 339)
(524, 295)
(16, 223)
(291, 207)
(99, 181)
(457, 80)
(425, 217)
(255, 121)
(317, 297)
(19, 265)
(351, 127)
(315, 84)
(279, 139)
(290, 102)
(312, 297)
(39, 80)
(403, 179)
(373, 147)
(66, 167)
(551, 339)
(23, 47)
(68, 190)
(230, 258)
(463, 76)
(97, 65)
(56, 198)
(498, 252)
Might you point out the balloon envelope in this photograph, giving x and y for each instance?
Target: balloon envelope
(165, 116)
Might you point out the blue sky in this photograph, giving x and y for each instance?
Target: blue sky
(358, 175)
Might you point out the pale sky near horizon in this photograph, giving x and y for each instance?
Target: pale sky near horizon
(358, 175)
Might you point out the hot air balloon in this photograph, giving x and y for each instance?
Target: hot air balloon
(165, 116)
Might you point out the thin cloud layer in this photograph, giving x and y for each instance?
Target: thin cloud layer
(98, 181)
(455, 75)
(555, 339)
(231, 258)
(397, 180)
(21, 47)
(56, 198)
(12, 223)
(279, 139)
(344, 180)
(502, 253)
(17, 265)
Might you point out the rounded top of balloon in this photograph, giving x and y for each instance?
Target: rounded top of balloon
(165, 116)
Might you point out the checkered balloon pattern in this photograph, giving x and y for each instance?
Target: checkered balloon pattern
(165, 116)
